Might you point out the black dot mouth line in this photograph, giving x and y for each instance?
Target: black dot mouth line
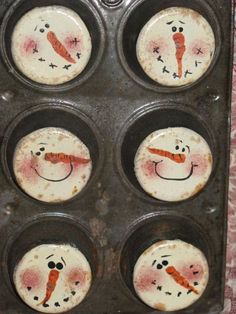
(174, 179)
(52, 180)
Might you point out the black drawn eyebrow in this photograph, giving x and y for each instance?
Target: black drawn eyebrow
(49, 256)
(165, 255)
(36, 28)
(180, 140)
(63, 260)
(42, 144)
(181, 22)
(188, 148)
(169, 22)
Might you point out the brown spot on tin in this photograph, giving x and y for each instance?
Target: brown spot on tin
(185, 195)
(75, 190)
(40, 195)
(197, 189)
(210, 160)
(160, 306)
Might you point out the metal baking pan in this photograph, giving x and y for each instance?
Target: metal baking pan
(112, 106)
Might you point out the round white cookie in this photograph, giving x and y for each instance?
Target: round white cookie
(173, 164)
(51, 45)
(170, 275)
(176, 46)
(52, 164)
(53, 278)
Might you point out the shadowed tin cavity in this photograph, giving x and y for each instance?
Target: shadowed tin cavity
(173, 164)
(52, 153)
(171, 46)
(54, 46)
(52, 164)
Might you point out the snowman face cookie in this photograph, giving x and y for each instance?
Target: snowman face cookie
(170, 275)
(51, 164)
(53, 278)
(173, 164)
(176, 46)
(51, 45)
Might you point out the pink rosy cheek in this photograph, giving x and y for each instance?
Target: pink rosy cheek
(149, 168)
(147, 280)
(27, 169)
(158, 47)
(192, 272)
(203, 163)
(74, 43)
(199, 49)
(31, 278)
(78, 276)
(28, 46)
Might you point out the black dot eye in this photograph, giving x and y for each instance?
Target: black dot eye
(59, 266)
(174, 29)
(165, 263)
(51, 265)
(159, 266)
(183, 150)
(38, 153)
(181, 29)
(47, 25)
(177, 147)
(41, 30)
(42, 149)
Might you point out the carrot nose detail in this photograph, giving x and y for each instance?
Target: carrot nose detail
(178, 158)
(61, 157)
(51, 285)
(59, 47)
(180, 280)
(179, 40)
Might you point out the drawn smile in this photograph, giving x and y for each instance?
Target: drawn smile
(174, 179)
(52, 180)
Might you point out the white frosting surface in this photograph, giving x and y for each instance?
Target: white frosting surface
(193, 46)
(51, 45)
(52, 164)
(170, 275)
(173, 164)
(53, 278)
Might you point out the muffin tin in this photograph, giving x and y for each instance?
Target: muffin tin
(112, 106)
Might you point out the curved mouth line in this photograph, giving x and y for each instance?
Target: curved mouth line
(174, 179)
(51, 180)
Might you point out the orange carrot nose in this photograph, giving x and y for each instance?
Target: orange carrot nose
(179, 158)
(179, 40)
(61, 157)
(59, 48)
(51, 285)
(180, 280)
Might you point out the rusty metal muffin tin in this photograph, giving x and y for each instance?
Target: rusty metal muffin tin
(112, 221)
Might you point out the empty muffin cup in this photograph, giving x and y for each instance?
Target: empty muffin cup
(170, 275)
(52, 164)
(173, 164)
